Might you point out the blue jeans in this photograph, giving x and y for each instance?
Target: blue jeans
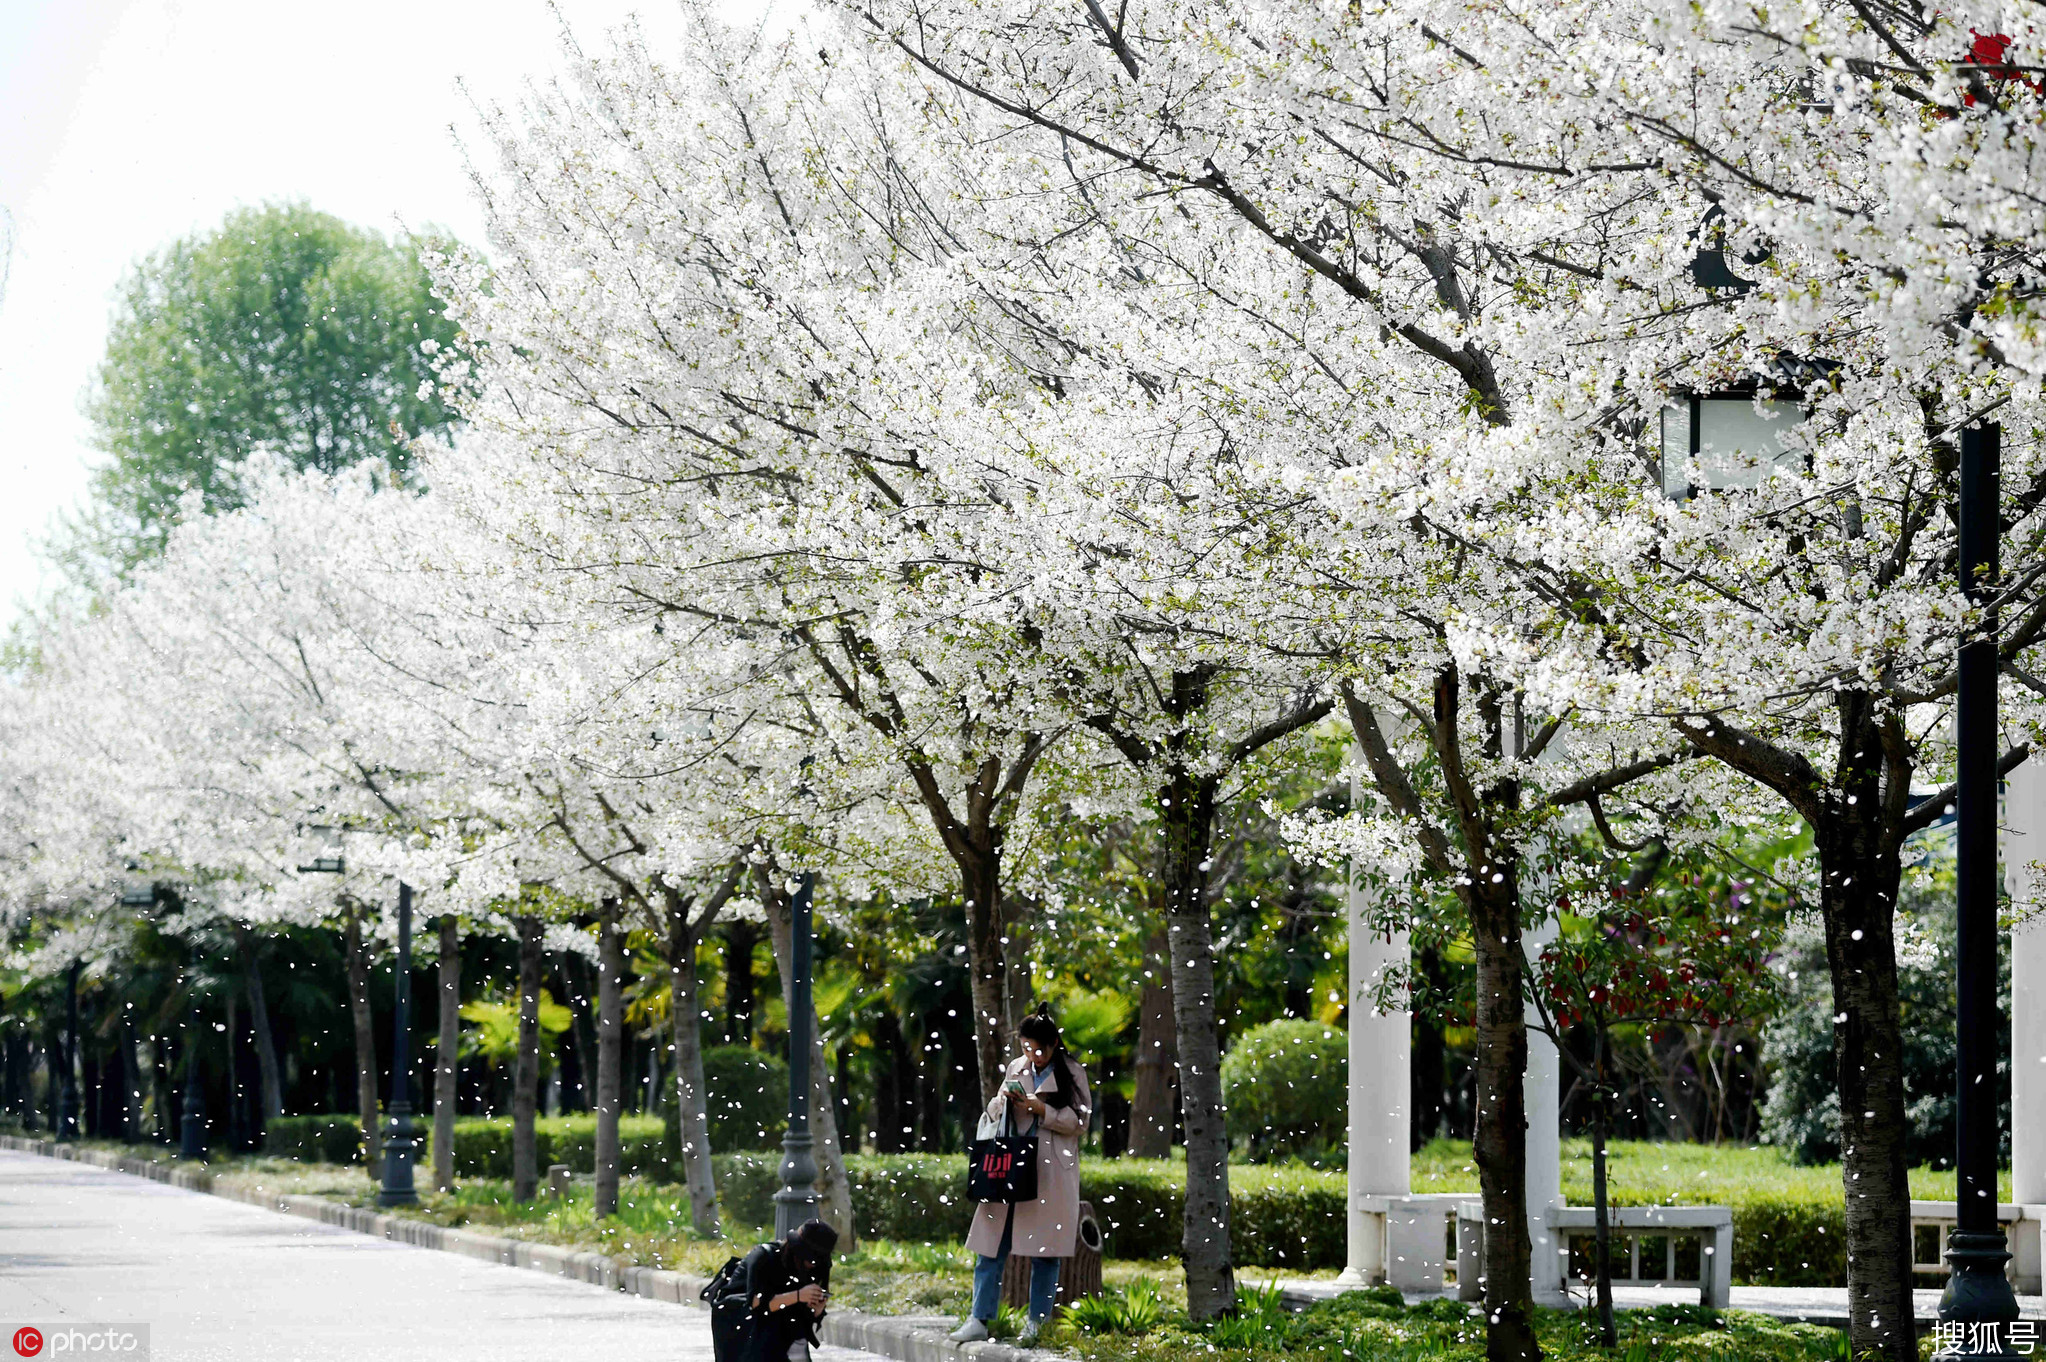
(987, 1280)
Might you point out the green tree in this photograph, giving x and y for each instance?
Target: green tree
(284, 330)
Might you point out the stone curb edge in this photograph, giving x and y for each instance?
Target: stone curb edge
(878, 1334)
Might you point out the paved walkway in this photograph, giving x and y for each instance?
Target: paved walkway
(218, 1281)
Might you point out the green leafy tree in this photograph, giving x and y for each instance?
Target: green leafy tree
(284, 330)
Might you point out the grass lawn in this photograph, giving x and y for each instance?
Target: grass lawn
(1374, 1327)
(1644, 1173)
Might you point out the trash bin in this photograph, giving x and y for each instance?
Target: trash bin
(1079, 1275)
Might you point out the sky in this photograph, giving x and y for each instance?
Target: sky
(125, 124)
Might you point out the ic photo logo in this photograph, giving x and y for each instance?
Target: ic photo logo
(128, 1342)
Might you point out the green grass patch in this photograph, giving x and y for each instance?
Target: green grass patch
(1373, 1326)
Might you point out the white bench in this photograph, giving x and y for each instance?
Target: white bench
(1933, 1221)
(1646, 1239)
(1410, 1239)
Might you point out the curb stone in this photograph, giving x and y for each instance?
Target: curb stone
(885, 1335)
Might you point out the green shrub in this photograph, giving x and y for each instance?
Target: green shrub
(1289, 1217)
(1287, 1085)
(1783, 1239)
(914, 1198)
(1279, 1217)
(483, 1145)
(325, 1138)
(747, 1092)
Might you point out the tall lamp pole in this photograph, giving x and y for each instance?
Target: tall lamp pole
(401, 1136)
(67, 1100)
(1977, 1292)
(796, 1202)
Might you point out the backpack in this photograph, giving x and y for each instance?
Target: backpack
(726, 1295)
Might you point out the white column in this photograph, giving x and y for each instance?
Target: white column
(2025, 843)
(1544, 1145)
(1380, 1085)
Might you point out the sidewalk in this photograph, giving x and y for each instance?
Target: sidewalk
(182, 1243)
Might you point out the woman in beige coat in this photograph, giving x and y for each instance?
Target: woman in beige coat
(1047, 1088)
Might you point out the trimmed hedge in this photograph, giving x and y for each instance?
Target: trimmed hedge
(1789, 1226)
(1790, 1241)
(328, 1138)
(483, 1146)
(1279, 1218)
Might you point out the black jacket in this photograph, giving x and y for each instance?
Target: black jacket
(768, 1273)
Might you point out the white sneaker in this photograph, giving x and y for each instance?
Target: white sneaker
(973, 1331)
(1028, 1336)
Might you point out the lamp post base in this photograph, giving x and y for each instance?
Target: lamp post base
(1978, 1306)
(796, 1202)
(401, 1152)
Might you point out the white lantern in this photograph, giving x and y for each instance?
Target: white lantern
(1721, 440)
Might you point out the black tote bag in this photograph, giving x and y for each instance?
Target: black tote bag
(1003, 1169)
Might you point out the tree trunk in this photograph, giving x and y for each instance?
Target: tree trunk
(1151, 1124)
(980, 881)
(357, 956)
(526, 1071)
(1187, 819)
(1859, 873)
(259, 1023)
(447, 1054)
(610, 1054)
(685, 1014)
(834, 1193)
(1501, 1137)
(741, 937)
(1430, 1055)
(1018, 989)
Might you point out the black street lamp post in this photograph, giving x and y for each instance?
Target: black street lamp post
(401, 1135)
(67, 1100)
(796, 1202)
(401, 1132)
(1978, 1294)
